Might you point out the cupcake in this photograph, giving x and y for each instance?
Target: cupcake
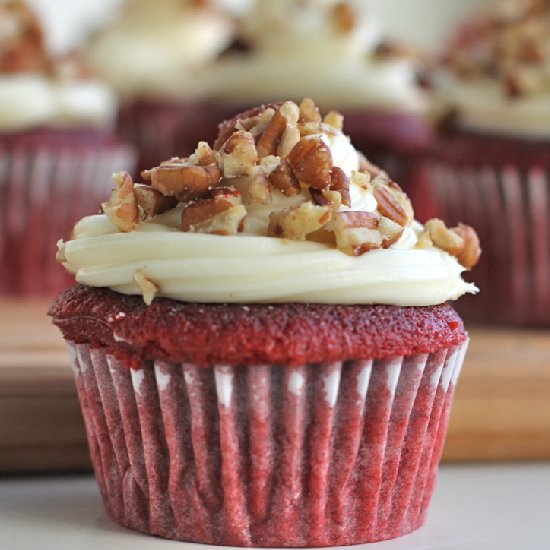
(333, 51)
(57, 147)
(152, 55)
(490, 164)
(262, 348)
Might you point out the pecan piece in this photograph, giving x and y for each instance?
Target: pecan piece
(309, 111)
(296, 223)
(183, 180)
(390, 207)
(339, 181)
(469, 256)
(151, 201)
(311, 162)
(122, 207)
(269, 140)
(283, 179)
(148, 288)
(355, 232)
(203, 155)
(444, 238)
(238, 156)
(220, 213)
(334, 119)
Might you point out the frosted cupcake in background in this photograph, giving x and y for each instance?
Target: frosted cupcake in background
(152, 55)
(262, 348)
(490, 164)
(57, 145)
(334, 52)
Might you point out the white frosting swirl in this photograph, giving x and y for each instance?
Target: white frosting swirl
(299, 51)
(251, 267)
(156, 48)
(482, 106)
(30, 100)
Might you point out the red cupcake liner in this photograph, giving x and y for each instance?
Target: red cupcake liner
(503, 191)
(44, 191)
(161, 130)
(269, 456)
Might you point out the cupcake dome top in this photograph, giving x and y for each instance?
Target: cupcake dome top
(37, 90)
(498, 64)
(283, 209)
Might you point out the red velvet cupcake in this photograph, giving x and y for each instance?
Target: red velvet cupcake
(57, 148)
(152, 55)
(490, 164)
(285, 377)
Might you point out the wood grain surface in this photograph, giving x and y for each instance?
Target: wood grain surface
(501, 410)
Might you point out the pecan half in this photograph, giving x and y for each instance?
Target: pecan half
(311, 162)
(183, 180)
(122, 207)
(221, 213)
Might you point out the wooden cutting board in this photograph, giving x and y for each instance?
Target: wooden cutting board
(501, 410)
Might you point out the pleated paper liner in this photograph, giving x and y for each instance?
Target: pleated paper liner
(44, 190)
(502, 189)
(269, 456)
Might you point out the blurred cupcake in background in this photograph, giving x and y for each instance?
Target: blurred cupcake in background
(57, 145)
(490, 164)
(333, 52)
(152, 55)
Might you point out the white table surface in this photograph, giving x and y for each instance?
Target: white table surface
(489, 507)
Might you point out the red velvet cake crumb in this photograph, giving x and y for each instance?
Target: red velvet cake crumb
(286, 334)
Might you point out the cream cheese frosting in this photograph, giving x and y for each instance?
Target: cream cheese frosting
(254, 266)
(156, 48)
(31, 100)
(300, 49)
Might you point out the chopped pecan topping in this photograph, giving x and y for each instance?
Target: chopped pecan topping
(183, 180)
(311, 162)
(259, 190)
(283, 179)
(148, 288)
(151, 201)
(220, 213)
(296, 223)
(238, 156)
(390, 230)
(461, 242)
(122, 207)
